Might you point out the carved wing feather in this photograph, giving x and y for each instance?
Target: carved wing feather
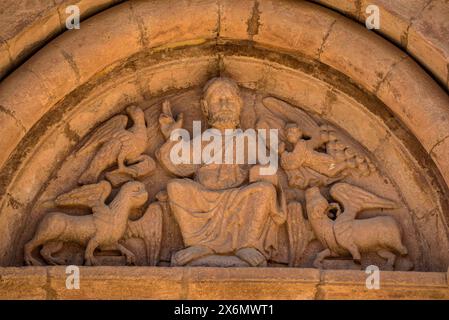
(286, 113)
(299, 233)
(149, 229)
(356, 199)
(90, 195)
(106, 132)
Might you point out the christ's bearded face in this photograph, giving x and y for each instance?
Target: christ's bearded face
(222, 107)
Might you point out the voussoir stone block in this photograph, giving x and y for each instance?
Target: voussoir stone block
(368, 62)
(351, 8)
(87, 7)
(35, 35)
(418, 101)
(13, 133)
(5, 59)
(440, 153)
(25, 95)
(427, 39)
(239, 20)
(110, 37)
(193, 22)
(293, 26)
(395, 17)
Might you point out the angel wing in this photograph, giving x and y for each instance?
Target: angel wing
(149, 229)
(355, 199)
(278, 113)
(105, 132)
(89, 196)
(155, 137)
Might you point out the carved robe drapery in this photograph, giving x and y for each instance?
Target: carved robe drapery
(216, 211)
(226, 220)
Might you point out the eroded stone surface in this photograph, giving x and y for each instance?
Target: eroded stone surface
(348, 106)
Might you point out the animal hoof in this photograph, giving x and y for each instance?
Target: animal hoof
(130, 259)
(388, 268)
(90, 262)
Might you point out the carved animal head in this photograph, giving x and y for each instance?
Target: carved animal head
(316, 205)
(135, 192)
(333, 210)
(134, 112)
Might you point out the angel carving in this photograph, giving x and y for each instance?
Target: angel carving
(316, 156)
(114, 144)
(103, 229)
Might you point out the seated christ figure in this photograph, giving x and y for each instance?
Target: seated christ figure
(218, 211)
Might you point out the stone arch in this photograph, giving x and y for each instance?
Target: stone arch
(294, 49)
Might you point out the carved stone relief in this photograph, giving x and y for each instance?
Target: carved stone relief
(119, 198)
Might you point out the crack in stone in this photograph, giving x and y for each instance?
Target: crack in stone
(387, 75)
(319, 295)
(61, 21)
(326, 36)
(330, 99)
(404, 37)
(71, 134)
(220, 64)
(254, 21)
(218, 20)
(437, 144)
(382, 141)
(69, 58)
(13, 115)
(219, 56)
(447, 80)
(185, 283)
(358, 8)
(143, 32)
(50, 293)
(14, 203)
(8, 50)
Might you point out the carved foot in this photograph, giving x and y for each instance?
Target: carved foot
(184, 256)
(252, 256)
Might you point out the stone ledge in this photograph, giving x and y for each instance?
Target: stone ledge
(217, 283)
